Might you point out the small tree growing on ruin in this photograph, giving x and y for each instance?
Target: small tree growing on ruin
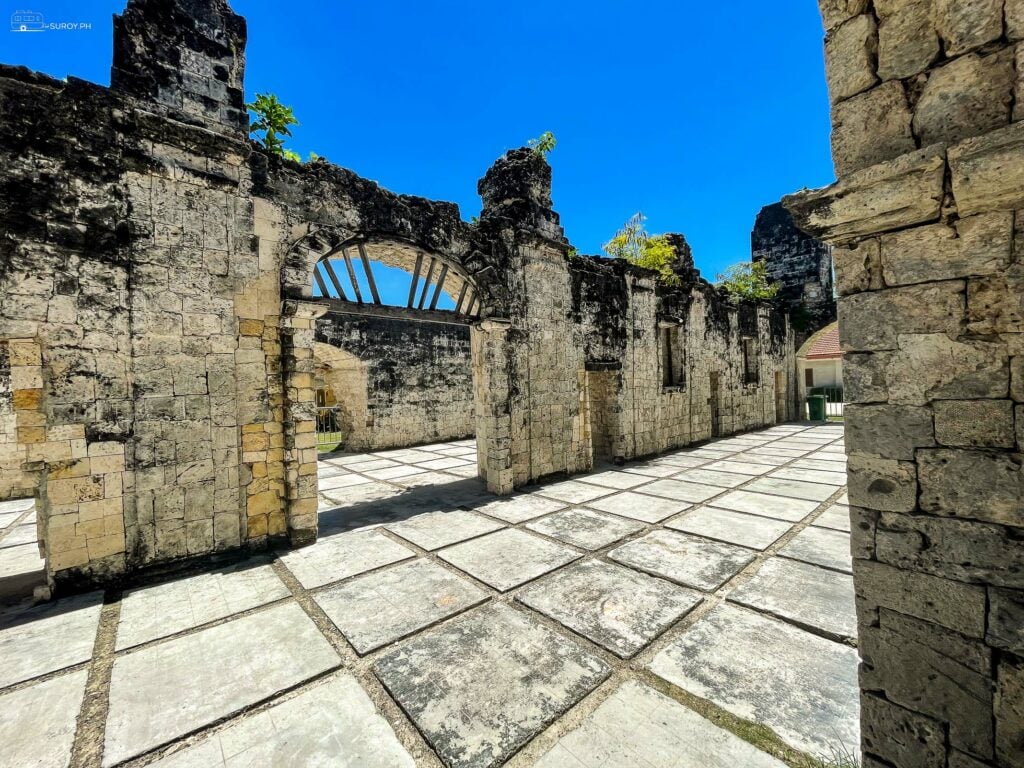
(543, 144)
(275, 120)
(634, 244)
(747, 281)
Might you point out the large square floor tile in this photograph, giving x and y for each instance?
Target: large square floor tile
(386, 605)
(47, 637)
(681, 490)
(803, 594)
(37, 723)
(508, 558)
(821, 546)
(164, 609)
(480, 686)
(689, 560)
(584, 528)
(518, 508)
(638, 506)
(802, 686)
(796, 489)
(164, 691)
(439, 529)
(637, 727)
(572, 491)
(342, 555)
(334, 723)
(613, 606)
(766, 505)
(836, 517)
(732, 527)
(707, 476)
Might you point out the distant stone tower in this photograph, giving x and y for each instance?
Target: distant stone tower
(188, 56)
(803, 266)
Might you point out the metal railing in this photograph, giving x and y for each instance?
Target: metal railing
(833, 400)
(329, 435)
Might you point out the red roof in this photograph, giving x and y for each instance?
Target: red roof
(823, 345)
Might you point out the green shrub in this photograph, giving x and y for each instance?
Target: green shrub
(543, 144)
(634, 244)
(748, 281)
(274, 119)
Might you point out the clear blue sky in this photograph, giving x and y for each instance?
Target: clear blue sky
(695, 113)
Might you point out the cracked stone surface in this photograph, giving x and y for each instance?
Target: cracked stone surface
(802, 686)
(333, 723)
(483, 684)
(688, 560)
(584, 528)
(381, 607)
(233, 672)
(803, 594)
(508, 558)
(732, 527)
(615, 607)
(637, 726)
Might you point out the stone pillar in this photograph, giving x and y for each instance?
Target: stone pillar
(298, 326)
(187, 56)
(927, 219)
(491, 394)
(543, 356)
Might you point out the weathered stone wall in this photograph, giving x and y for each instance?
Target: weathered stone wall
(403, 382)
(156, 274)
(801, 264)
(926, 218)
(626, 319)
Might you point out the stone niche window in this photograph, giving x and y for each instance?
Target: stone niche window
(673, 359)
(751, 374)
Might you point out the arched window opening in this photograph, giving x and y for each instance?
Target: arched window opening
(396, 275)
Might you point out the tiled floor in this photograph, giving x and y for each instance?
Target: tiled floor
(571, 624)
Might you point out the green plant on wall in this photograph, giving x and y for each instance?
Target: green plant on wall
(543, 143)
(274, 119)
(747, 281)
(636, 245)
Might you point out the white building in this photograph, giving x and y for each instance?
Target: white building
(820, 368)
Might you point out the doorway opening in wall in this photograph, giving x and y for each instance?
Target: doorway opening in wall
(22, 567)
(713, 404)
(394, 361)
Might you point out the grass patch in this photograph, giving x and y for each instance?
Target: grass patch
(328, 442)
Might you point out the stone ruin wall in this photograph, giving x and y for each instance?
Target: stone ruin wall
(927, 220)
(623, 317)
(158, 314)
(800, 264)
(398, 382)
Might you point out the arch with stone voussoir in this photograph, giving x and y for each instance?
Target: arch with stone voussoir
(466, 265)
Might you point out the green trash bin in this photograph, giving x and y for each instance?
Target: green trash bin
(816, 407)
